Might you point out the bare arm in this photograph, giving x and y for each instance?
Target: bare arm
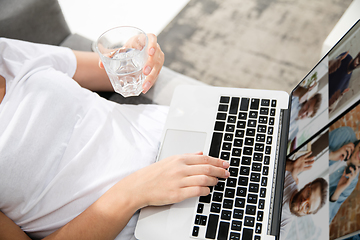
(90, 72)
(171, 180)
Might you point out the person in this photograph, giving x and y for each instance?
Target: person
(340, 72)
(302, 107)
(74, 165)
(297, 203)
(344, 167)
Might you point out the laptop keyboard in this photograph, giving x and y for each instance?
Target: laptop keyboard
(243, 134)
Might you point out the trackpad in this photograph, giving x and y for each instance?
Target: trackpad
(179, 142)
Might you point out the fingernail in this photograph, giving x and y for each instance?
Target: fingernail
(147, 70)
(226, 164)
(146, 87)
(151, 51)
(227, 174)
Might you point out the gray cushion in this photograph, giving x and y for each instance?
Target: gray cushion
(39, 21)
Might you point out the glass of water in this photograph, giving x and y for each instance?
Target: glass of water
(123, 52)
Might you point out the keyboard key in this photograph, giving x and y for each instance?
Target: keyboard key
(231, 182)
(229, 192)
(253, 114)
(263, 119)
(241, 192)
(273, 103)
(243, 181)
(228, 203)
(239, 133)
(260, 137)
(261, 204)
(215, 145)
(231, 119)
(264, 111)
(240, 202)
(257, 237)
(241, 124)
(247, 234)
(244, 106)
(200, 208)
(252, 198)
(226, 215)
(256, 167)
(268, 150)
(249, 141)
(224, 99)
(272, 112)
(205, 199)
(242, 115)
(215, 207)
(195, 232)
(261, 128)
(236, 225)
(238, 142)
(258, 156)
(233, 172)
(250, 210)
(260, 215)
(262, 192)
(265, 170)
(217, 197)
(203, 220)
(271, 121)
(264, 181)
(225, 155)
(270, 130)
(238, 213)
(226, 146)
(244, 171)
(212, 226)
(230, 128)
(235, 162)
(254, 104)
(234, 236)
(250, 132)
(197, 220)
(236, 152)
(265, 102)
(221, 116)
(223, 230)
(249, 221)
(269, 140)
(223, 108)
(220, 186)
(246, 160)
(234, 106)
(259, 147)
(267, 160)
(255, 177)
(247, 151)
(254, 187)
(258, 228)
(228, 137)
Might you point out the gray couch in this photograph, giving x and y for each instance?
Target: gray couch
(42, 21)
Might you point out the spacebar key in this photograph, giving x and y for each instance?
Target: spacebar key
(212, 226)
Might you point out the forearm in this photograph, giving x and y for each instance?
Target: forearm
(88, 73)
(102, 220)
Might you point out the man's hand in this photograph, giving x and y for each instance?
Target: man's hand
(302, 163)
(342, 153)
(336, 63)
(344, 182)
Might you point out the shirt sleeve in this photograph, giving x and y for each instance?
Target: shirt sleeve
(20, 57)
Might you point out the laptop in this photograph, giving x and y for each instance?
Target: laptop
(258, 131)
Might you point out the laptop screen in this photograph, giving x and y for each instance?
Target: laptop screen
(321, 192)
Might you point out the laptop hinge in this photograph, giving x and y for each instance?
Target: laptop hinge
(279, 170)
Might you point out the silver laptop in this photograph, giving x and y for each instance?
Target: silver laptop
(256, 132)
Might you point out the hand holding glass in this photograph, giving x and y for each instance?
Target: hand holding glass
(123, 52)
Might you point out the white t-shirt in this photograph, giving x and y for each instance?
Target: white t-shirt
(286, 216)
(63, 146)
